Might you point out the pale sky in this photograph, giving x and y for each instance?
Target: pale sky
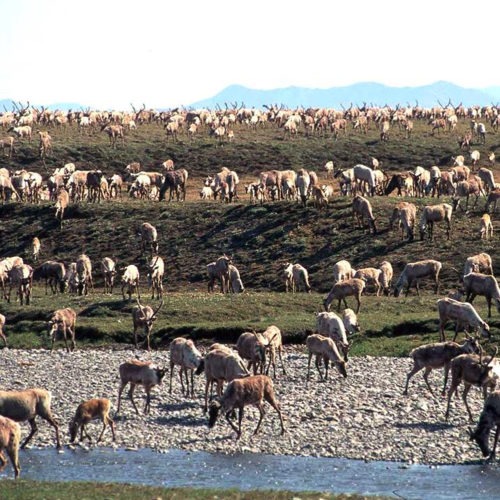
(109, 53)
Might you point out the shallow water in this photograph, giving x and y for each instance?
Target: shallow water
(246, 471)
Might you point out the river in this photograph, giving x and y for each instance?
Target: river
(245, 471)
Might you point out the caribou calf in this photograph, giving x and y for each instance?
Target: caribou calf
(63, 321)
(144, 317)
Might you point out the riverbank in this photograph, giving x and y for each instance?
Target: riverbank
(36, 490)
(362, 417)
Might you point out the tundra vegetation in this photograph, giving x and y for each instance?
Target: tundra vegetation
(258, 237)
(35, 489)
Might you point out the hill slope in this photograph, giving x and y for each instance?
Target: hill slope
(259, 238)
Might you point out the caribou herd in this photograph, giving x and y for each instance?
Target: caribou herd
(223, 125)
(331, 342)
(249, 369)
(462, 179)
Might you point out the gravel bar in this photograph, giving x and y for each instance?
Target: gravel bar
(362, 417)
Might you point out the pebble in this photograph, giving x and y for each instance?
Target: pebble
(362, 417)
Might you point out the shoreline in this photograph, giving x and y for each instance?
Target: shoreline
(364, 417)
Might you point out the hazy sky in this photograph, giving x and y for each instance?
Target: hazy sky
(110, 53)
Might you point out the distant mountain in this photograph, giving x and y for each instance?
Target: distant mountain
(67, 105)
(334, 97)
(495, 93)
(6, 104)
(357, 94)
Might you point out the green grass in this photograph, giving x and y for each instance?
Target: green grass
(37, 490)
(390, 326)
(259, 238)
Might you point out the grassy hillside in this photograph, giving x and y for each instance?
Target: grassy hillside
(250, 152)
(259, 238)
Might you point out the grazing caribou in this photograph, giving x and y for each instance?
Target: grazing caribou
(144, 317)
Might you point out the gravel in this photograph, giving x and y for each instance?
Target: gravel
(362, 417)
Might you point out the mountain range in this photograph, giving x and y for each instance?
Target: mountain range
(357, 94)
(335, 97)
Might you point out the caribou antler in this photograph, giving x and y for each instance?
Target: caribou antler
(152, 266)
(141, 308)
(444, 107)
(23, 110)
(492, 357)
(272, 338)
(157, 309)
